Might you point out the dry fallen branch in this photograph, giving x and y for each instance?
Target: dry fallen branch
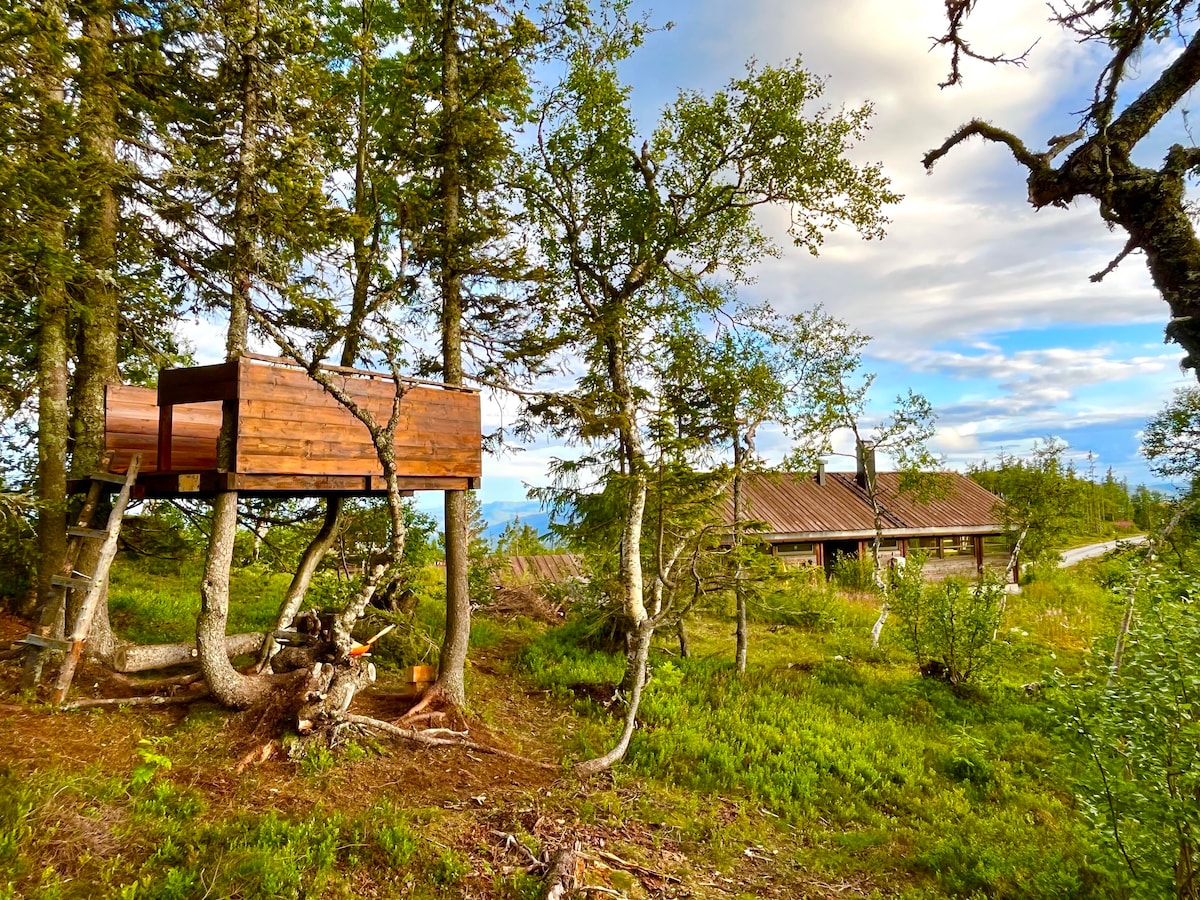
(563, 874)
(613, 859)
(153, 700)
(427, 740)
(512, 842)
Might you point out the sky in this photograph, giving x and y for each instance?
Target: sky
(973, 299)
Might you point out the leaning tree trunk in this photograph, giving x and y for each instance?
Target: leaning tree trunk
(639, 661)
(229, 686)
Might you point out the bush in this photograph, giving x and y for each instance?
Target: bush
(1140, 730)
(949, 626)
(807, 600)
(853, 573)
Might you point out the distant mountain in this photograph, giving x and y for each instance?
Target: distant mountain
(499, 513)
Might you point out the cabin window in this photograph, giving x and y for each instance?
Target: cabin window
(800, 548)
(995, 544)
(890, 544)
(929, 544)
(959, 545)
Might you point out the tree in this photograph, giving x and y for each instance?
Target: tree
(1039, 500)
(837, 400)
(633, 237)
(770, 369)
(1138, 729)
(1171, 442)
(1150, 204)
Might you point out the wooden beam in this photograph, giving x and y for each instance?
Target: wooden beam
(198, 383)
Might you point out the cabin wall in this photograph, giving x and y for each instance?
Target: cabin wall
(947, 555)
(131, 426)
(292, 434)
(288, 423)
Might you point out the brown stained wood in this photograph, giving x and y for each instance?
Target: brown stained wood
(412, 469)
(290, 430)
(197, 383)
(418, 417)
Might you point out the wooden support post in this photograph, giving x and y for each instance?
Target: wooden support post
(165, 427)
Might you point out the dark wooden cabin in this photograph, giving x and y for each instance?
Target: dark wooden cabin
(808, 520)
(293, 437)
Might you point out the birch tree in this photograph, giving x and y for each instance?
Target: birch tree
(636, 230)
(838, 401)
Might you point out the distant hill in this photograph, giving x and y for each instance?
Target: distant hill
(499, 513)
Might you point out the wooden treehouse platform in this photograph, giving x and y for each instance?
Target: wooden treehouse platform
(293, 438)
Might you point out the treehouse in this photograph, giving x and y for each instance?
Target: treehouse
(293, 437)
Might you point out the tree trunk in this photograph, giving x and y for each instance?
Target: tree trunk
(639, 662)
(51, 312)
(229, 686)
(452, 661)
(453, 657)
(96, 330)
(739, 589)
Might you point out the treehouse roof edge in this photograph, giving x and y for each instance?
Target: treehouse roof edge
(221, 381)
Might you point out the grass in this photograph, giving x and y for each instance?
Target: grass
(957, 792)
(157, 601)
(828, 763)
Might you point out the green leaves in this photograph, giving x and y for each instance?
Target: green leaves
(1171, 442)
(1140, 732)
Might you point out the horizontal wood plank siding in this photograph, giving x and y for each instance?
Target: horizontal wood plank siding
(291, 429)
(131, 426)
(286, 416)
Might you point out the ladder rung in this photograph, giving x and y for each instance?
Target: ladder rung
(110, 477)
(45, 643)
(71, 581)
(96, 534)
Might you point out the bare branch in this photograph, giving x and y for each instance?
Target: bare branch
(989, 132)
(957, 13)
(427, 740)
(1130, 246)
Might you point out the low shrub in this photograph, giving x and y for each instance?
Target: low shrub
(950, 626)
(853, 573)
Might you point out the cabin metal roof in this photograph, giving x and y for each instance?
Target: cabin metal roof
(797, 507)
(551, 568)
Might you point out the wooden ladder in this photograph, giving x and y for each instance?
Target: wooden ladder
(69, 579)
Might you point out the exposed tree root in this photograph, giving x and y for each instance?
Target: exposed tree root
(441, 739)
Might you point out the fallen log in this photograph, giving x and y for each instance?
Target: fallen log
(563, 874)
(145, 657)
